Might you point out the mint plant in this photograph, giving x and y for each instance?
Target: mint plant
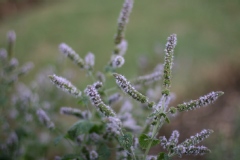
(101, 132)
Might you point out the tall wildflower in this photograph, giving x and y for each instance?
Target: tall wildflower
(71, 54)
(94, 96)
(188, 147)
(121, 44)
(168, 63)
(130, 90)
(199, 137)
(117, 61)
(202, 101)
(75, 112)
(44, 119)
(89, 60)
(123, 20)
(65, 85)
(156, 75)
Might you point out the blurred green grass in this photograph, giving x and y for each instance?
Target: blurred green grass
(206, 30)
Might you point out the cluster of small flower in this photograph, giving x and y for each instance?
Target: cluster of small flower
(188, 146)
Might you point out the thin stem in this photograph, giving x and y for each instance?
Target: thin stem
(155, 130)
(134, 157)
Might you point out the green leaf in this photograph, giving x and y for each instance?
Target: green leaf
(163, 156)
(126, 140)
(58, 139)
(145, 140)
(167, 120)
(80, 127)
(97, 128)
(165, 117)
(103, 152)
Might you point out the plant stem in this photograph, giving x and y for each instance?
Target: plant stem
(155, 130)
(134, 157)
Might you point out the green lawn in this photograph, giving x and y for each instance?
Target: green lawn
(206, 30)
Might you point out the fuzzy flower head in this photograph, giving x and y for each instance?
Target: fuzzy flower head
(75, 112)
(168, 62)
(96, 100)
(129, 89)
(11, 36)
(199, 137)
(117, 62)
(114, 98)
(65, 85)
(3, 54)
(150, 78)
(123, 20)
(13, 64)
(26, 68)
(44, 119)
(121, 48)
(201, 102)
(93, 155)
(100, 77)
(113, 126)
(89, 60)
(71, 54)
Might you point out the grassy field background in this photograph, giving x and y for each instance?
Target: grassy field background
(208, 40)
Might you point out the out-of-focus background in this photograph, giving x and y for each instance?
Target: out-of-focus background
(206, 56)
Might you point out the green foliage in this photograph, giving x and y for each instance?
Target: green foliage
(145, 140)
(163, 156)
(83, 127)
(103, 151)
(126, 140)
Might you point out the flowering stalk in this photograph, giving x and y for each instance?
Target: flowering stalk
(75, 112)
(120, 43)
(71, 54)
(94, 96)
(89, 60)
(201, 102)
(114, 98)
(188, 146)
(117, 61)
(149, 78)
(199, 137)
(130, 90)
(65, 85)
(44, 119)
(168, 62)
(123, 20)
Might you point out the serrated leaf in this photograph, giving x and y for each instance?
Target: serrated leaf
(81, 127)
(58, 139)
(126, 140)
(163, 156)
(145, 140)
(103, 152)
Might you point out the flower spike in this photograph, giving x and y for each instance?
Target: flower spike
(201, 102)
(65, 85)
